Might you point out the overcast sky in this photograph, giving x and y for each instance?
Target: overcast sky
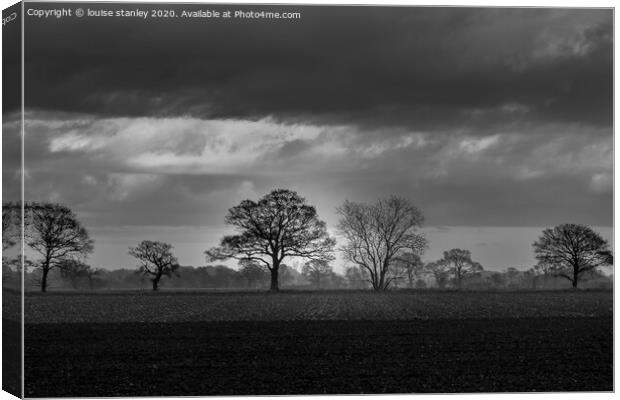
(496, 123)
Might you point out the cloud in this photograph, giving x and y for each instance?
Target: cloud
(577, 41)
(122, 186)
(190, 171)
(177, 145)
(412, 67)
(473, 146)
(480, 116)
(182, 145)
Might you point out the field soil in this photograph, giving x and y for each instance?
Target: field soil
(12, 357)
(522, 350)
(11, 341)
(191, 306)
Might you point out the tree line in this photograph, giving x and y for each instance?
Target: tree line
(76, 276)
(382, 245)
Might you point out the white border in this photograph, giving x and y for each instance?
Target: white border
(473, 3)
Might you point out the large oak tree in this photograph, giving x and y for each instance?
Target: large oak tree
(54, 232)
(277, 226)
(569, 250)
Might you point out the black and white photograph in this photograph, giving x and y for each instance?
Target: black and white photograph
(228, 199)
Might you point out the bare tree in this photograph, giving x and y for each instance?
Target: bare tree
(377, 233)
(460, 263)
(156, 260)
(277, 226)
(54, 231)
(317, 270)
(569, 250)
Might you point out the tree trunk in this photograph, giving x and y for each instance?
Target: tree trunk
(274, 275)
(575, 277)
(274, 280)
(44, 279)
(378, 285)
(155, 282)
(373, 280)
(382, 274)
(46, 270)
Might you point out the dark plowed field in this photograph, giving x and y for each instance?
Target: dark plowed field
(11, 357)
(307, 357)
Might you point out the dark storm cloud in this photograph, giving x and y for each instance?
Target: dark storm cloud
(425, 68)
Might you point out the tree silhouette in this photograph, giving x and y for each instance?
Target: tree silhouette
(569, 250)
(54, 231)
(377, 233)
(277, 226)
(156, 260)
(460, 263)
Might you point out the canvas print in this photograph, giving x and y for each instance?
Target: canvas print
(249, 199)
